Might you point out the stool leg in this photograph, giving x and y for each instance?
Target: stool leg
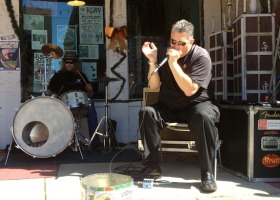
(220, 157)
(215, 164)
(160, 148)
(217, 148)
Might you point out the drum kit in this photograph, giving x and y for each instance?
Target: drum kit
(44, 126)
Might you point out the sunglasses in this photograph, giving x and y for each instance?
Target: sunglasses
(69, 62)
(179, 43)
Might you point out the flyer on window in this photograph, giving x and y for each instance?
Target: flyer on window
(90, 70)
(38, 39)
(89, 52)
(33, 22)
(91, 25)
(39, 68)
(9, 55)
(67, 37)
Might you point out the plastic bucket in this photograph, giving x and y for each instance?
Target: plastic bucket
(107, 186)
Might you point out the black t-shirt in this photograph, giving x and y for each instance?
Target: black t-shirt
(64, 81)
(197, 65)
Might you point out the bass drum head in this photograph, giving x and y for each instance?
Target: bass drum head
(43, 127)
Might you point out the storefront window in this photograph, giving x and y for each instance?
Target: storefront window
(52, 24)
(49, 28)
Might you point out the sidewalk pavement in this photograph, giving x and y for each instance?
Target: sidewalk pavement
(182, 176)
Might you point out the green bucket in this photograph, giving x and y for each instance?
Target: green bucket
(107, 186)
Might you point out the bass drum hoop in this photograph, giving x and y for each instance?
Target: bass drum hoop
(54, 115)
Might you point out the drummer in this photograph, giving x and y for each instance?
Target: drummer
(70, 78)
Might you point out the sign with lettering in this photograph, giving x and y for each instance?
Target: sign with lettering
(269, 120)
(268, 124)
(271, 160)
(91, 25)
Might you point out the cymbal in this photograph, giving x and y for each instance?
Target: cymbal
(52, 51)
(105, 79)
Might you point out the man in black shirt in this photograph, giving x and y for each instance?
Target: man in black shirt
(69, 78)
(185, 97)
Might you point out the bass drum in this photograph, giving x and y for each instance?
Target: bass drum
(43, 127)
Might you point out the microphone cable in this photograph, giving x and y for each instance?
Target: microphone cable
(136, 134)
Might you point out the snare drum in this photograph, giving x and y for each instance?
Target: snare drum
(43, 127)
(73, 99)
(77, 101)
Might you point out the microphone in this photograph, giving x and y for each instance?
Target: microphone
(160, 65)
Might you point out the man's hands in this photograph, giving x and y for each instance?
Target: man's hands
(89, 89)
(150, 51)
(173, 55)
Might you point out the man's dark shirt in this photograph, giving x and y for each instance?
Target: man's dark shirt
(197, 65)
(62, 82)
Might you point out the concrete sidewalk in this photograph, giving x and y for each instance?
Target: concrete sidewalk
(183, 177)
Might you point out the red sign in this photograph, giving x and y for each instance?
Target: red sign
(271, 160)
(270, 133)
(262, 124)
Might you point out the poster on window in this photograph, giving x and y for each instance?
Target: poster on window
(38, 39)
(39, 68)
(9, 55)
(90, 70)
(91, 25)
(67, 37)
(42, 65)
(89, 52)
(33, 22)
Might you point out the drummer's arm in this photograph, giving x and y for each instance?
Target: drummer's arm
(88, 86)
(89, 90)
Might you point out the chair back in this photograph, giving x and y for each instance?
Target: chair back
(150, 96)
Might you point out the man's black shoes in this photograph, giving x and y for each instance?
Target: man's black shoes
(208, 183)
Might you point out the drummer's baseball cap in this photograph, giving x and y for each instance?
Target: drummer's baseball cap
(70, 55)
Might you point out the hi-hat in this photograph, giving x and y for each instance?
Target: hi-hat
(52, 51)
(105, 79)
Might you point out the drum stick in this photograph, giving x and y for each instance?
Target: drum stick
(82, 77)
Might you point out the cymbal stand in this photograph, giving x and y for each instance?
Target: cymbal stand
(107, 137)
(45, 83)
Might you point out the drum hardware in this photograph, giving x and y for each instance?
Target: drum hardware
(79, 104)
(77, 101)
(77, 142)
(106, 137)
(8, 154)
(50, 51)
(78, 127)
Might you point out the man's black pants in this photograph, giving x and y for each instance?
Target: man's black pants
(201, 119)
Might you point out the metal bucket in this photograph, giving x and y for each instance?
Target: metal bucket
(107, 186)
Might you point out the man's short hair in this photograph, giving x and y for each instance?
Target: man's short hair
(183, 26)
